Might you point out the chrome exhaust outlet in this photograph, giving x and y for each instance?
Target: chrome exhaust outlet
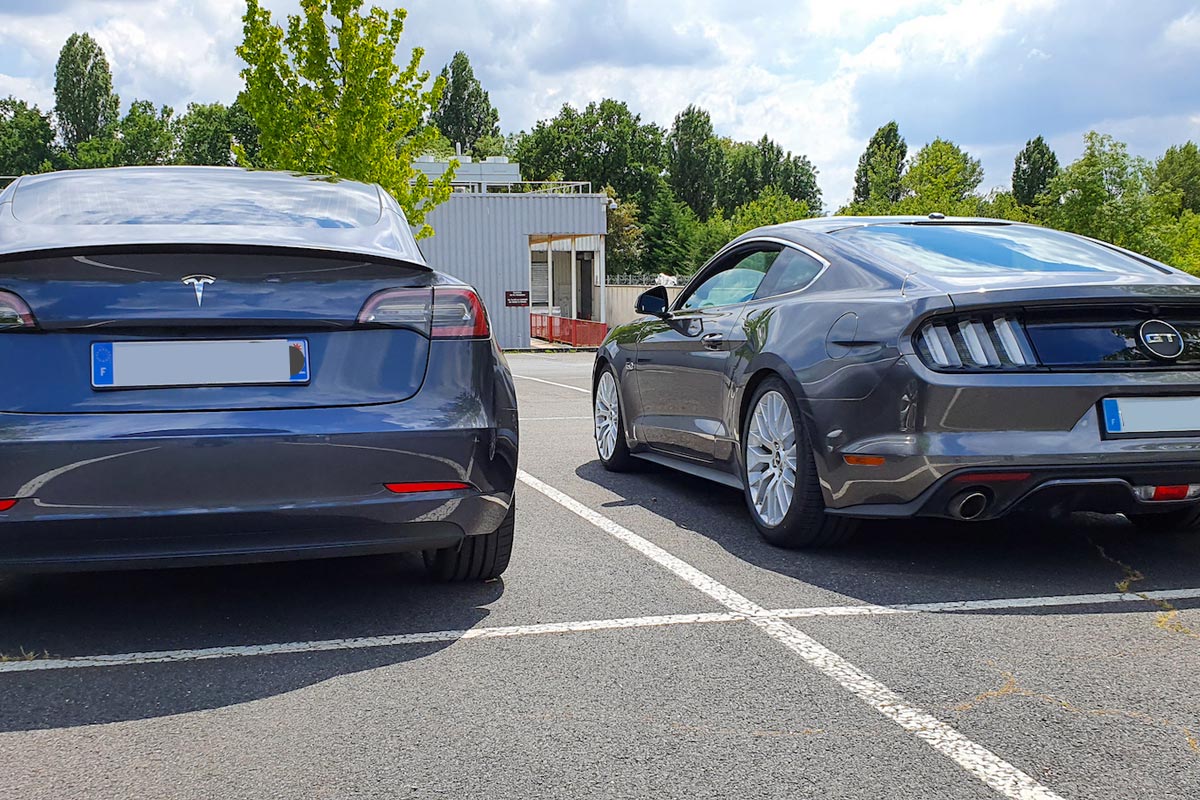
(969, 505)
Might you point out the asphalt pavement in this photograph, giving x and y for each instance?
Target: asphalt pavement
(644, 643)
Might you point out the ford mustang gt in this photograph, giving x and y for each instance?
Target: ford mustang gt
(844, 368)
(214, 365)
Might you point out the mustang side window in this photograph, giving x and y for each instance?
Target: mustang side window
(734, 284)
(792, 270)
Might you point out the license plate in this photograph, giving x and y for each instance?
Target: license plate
(128, 365)
(1150, 415)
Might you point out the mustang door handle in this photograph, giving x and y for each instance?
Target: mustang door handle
(713, 341)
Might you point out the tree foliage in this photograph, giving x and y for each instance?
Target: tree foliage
(84, 103)
(146, 136)
(695, 160)
(205, 136)
(1179, 170)
(623, 245)
(328, 98)
(465, 113)
(606, 144)
(753, 166)
(877, 178)
(669, 234)
(26, 137)
(1105, 194)
(940, 177)
(1033, 168)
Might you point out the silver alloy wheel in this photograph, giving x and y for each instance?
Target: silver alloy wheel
(606, 416)
(771, 458)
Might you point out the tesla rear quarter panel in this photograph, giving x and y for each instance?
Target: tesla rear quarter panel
(229, 473)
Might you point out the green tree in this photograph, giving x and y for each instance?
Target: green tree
(204, 135)
(694, 160)
(328, 98)
(877, 178)
(465, 113)
(940, 177)
(244, 131)
(1181, 239)
(487, 146)
(84, 103)
(623, 244)
(1179, 170)
(26, 137)
(1035, 165)
(1105, 194)
(605, 143)
(753, 166)
(771, 207)
(669, 235)
(146, 136)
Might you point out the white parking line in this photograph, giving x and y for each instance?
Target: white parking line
(549, 419)
(552, 383)
(985, 765)
(583, 626)
(360, 643)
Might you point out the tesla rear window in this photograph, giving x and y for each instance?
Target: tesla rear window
(976, 249)
(194, 197)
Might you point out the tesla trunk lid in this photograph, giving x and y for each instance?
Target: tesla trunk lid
(87, 304)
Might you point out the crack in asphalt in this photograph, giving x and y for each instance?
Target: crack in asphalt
(1012, 688)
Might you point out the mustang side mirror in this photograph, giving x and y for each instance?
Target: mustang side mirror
(653, 301)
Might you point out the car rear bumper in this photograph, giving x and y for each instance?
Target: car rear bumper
(1100, 488)
(98, 490)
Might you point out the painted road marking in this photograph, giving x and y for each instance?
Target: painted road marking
(583, 626)
(977, 760)
(552, 383)
(362, 642)
(549, 419)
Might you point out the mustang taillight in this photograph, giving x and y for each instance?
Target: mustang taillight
(994, 341)
(445, 312)
(15, 314)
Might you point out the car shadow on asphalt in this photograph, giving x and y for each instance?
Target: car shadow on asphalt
(65, 615)
(890, 562)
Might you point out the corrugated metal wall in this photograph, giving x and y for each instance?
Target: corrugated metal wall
(483, 239)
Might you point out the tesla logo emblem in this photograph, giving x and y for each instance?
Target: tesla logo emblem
(198, 282)
(1161, 339)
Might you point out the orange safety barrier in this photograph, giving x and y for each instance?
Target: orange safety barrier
(575, 332)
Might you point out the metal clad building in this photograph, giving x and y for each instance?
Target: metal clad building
(489, 240)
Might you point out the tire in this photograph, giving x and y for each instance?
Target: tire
(1180, 520)
(478, 558)
(805, 522)
(608, 421)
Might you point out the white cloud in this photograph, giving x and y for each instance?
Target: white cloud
(817, 76)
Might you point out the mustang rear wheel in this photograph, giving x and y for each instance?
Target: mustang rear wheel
(478, 558)
(779, 474)
(606, 414)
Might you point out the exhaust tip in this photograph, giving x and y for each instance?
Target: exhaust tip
(969, 505)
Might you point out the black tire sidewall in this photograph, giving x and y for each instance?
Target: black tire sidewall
(804, 465)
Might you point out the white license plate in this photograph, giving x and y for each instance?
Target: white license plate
(127, 365)
(1133, 415)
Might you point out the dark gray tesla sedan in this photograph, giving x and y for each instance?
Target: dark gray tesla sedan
(213, 365)
(846, 368)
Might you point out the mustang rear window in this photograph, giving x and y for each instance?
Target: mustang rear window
(194, 197)
(949, 249)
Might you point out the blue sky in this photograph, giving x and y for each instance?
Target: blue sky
(818, 77)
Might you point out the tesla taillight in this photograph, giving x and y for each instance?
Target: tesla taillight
(994, 341)
(458, 313)
(398, 308)
(14, 313)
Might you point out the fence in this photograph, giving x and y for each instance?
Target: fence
(575, 332)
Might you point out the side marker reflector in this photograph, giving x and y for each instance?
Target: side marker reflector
(426, 486)
(864, 461)
(5, 505)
